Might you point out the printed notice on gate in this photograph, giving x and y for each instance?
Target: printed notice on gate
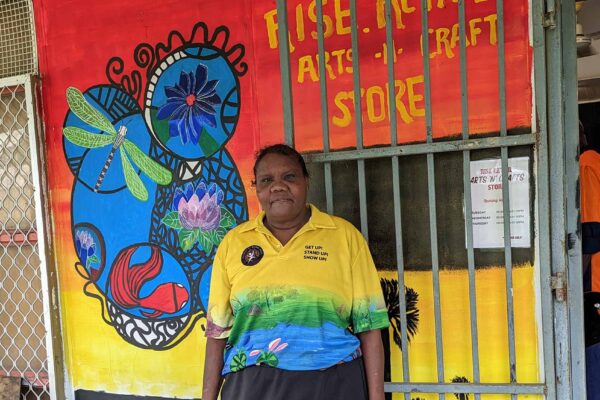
(486, 200)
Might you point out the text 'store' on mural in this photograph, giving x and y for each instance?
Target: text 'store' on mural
(155, 190)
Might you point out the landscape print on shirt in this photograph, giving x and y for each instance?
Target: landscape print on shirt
(287, 327)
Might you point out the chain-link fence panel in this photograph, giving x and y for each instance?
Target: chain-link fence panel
(22, 331)
(17, 39)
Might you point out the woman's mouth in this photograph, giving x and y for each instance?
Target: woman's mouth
(281, 201)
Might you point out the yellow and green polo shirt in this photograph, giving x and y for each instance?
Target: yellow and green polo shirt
(298, 306)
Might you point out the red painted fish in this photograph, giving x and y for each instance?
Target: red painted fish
(126, 283)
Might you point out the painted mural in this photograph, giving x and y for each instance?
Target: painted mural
(146, 225)
(153, 113)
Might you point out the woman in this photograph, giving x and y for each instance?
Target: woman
(295, 303)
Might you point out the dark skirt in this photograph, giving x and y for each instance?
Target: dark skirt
(342, 381)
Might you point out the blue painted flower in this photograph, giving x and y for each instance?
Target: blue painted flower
(85, 246)
(199, 207)
(190, 105)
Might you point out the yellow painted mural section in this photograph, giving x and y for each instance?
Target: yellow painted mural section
(492, 328)
(120, 367)
(123, 368)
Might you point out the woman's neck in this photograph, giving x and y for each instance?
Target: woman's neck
(284, 231)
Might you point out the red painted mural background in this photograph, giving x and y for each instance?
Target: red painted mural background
(76, 40)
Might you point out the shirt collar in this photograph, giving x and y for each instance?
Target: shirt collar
(318, 219)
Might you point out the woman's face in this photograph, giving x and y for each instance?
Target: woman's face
(281, 188)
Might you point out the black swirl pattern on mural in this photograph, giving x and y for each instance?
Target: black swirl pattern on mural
(132, 84)
(147, 57)
(144, 55)
(161, 334)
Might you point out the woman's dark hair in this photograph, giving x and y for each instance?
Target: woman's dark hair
(281, 149)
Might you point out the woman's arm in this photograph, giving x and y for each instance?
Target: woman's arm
(372, 349)
(213, 364)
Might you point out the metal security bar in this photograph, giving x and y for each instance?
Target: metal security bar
(17, 38)
(25, 334)
(562, 153)
(467, 195)
(389, 41)
(324, 106)
(546, 145)
(506, 198)
(544, 193)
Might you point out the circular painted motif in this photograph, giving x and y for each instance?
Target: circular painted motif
(87, 163)
(192, 102)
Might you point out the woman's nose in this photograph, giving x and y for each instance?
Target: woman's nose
(278, 185)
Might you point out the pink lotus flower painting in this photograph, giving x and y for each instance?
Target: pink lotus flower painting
(197, 214)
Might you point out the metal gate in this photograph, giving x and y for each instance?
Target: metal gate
(551, 146)
(30, 346)
(26, 337)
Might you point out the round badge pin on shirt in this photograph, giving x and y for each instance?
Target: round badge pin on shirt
(252, 255)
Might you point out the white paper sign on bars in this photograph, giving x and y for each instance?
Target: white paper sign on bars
(486, 199)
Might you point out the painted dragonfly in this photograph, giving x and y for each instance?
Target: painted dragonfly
(80, 137)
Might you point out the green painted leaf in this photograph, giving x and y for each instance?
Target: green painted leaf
(161, 126)
(154, 170)
(213, 236)
(205, 241)
(227, 218)
(172, 220)
(86, 112)
(86, 139)
(219, 234)
(268, 358)
(207, 143)
(133, 181)
(187, 238)
(238, 361)
(93, 259)
(209, 236)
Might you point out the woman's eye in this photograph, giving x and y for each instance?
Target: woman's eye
(290, 177)
(266, 180)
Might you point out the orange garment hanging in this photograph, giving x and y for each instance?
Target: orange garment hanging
(589, 172)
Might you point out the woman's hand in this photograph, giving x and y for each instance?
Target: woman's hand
(372, 349)
(213, 364)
